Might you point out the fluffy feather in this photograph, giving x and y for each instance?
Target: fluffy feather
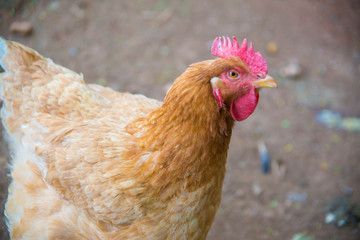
(93, 163)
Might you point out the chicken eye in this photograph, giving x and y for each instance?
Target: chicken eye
(233, 74)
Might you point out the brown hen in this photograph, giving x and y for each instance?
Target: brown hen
(91, 163)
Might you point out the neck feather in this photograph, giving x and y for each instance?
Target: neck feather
(188, 135)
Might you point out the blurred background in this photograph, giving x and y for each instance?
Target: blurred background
(310, 124)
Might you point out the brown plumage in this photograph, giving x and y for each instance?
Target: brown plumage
(92, 163)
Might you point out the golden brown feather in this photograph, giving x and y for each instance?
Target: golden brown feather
(96, 164)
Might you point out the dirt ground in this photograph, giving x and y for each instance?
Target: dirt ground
(142, 46)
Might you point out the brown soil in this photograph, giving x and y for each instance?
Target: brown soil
(141, 46)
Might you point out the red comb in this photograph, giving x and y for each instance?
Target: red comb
(224, 48)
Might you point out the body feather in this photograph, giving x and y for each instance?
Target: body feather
(91, 163)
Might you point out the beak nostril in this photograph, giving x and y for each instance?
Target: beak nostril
(260, 75)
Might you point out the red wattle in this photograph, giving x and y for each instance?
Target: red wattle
(244, 106)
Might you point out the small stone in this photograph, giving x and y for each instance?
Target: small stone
(348, 191)
(330, 218)
(292, 70)
(329, 118)
(341, 222)
(22, 28)
(256, 189)
(272, 47)
(73, 51)
(297, 197)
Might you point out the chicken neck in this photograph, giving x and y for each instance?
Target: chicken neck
(188, 135)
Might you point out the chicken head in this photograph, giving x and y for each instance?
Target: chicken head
(238, 87)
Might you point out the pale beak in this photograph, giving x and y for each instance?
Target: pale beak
(266, 82)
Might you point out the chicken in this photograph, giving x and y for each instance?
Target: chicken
(91, 163)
